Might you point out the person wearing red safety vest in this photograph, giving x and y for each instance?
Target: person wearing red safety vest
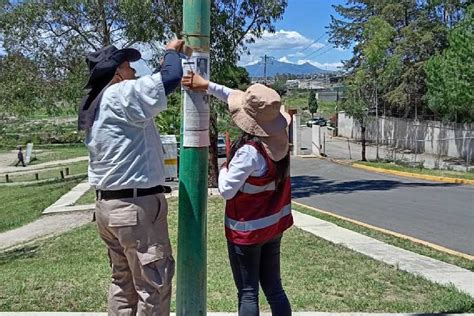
(256, 186)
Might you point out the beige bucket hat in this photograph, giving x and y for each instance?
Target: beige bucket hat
(258, 111)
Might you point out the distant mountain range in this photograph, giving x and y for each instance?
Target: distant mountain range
(277, 67)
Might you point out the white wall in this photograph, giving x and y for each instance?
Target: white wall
(432, 137)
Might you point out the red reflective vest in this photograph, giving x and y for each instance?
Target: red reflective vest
(258, 213)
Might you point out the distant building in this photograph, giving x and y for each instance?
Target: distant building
(292, 84)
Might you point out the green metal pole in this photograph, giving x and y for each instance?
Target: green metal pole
(192, 218)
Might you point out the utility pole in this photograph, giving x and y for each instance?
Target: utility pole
(266, 59)
(376, 122)
(192, 226)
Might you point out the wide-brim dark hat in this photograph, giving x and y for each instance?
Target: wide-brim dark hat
(104, 62)
(102, 67)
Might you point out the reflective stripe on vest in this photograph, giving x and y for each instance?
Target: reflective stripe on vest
(253, 189)
(258, 223)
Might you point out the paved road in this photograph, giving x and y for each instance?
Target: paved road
(436, 212)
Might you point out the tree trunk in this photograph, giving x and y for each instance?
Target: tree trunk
(362, 131)
(104, 27)
(213, 164)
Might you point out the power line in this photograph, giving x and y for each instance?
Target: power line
(315, 41)
(327, 51)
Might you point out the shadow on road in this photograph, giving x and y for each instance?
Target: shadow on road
(304, 186)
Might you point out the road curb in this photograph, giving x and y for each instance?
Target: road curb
(389, 232)
(414, 175)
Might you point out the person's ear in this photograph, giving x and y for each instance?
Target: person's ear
(117, 73)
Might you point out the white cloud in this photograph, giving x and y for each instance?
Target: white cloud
(317, 45)
(275, 43)
(288, 46)
(329, 66)
(281, 40)
(297, 54)
(247, 60)
(341, 49)
(285, 59)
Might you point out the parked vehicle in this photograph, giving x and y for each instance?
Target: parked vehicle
(321, 121)
(221, 150)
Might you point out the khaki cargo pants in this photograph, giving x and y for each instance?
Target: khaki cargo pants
(135, 231)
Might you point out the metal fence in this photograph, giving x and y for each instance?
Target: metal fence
(397, 150)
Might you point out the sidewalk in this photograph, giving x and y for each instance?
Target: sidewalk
(431, 269)
(68, 218)
(60, 217)
(45, 226)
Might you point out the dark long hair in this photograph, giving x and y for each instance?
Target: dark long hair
(282, 165)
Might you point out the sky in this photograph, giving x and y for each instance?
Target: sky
(301, 36)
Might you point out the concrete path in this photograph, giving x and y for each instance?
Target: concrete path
(44, 165)
(215, 314)
(438, 213)
(45, 226)
(433, 270)
(68, 199)
(49, 225)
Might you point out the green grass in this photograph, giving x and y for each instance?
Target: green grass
(50, 173)
(71, 273)
(396, 241)
(439, 173)
(53, 153)
(298, 99)
(87, 198)
(24, 204)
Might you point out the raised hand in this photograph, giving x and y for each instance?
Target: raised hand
(194, 82)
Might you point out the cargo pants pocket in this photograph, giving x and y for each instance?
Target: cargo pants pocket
(158, 265)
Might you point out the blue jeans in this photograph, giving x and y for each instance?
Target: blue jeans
(258, 263)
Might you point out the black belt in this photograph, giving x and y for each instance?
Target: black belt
(128, 193)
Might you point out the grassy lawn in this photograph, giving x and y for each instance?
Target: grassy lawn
(71, 272)
(87, 198)
(439, 173)
(53, 153)
(51, 173)
(396, 241)
(298, 99)
(24, 204)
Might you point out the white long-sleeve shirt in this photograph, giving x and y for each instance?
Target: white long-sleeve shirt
(125, 149)
(246, 162)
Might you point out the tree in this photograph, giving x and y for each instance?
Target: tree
(312, 103)
(280, 86)
(55, 35)
(376, 41)
(419, 32)
(451, 74)
(356, 102)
